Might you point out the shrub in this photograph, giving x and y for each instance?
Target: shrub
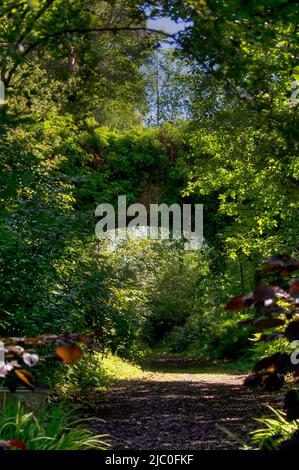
(95, 371)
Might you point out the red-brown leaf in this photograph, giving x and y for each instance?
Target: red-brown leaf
(69, 354)
(25, 376)
(239, 303)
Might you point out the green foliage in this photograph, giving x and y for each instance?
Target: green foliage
(276, 431)
(67, 54)
(35, 218)
(262, 350)
(77, 74)
(207, 332)
(247, 47)
(95, 371)
(77, 283)
(244, 136)
(55, 430)
(45, 218)
(255, 187)
(172, 295)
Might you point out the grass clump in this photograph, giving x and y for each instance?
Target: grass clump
(56, 429)
(274, 433)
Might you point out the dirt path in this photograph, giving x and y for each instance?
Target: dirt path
(178, 411)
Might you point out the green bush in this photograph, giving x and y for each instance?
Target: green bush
(94, 371)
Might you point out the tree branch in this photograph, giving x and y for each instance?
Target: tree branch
(12, 7)
(34, 20)
(113, 29)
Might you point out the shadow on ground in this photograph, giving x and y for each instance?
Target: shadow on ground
(178, 411)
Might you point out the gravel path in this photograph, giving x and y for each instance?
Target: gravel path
(177, 411)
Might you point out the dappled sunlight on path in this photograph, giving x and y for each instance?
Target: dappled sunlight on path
(178, 411)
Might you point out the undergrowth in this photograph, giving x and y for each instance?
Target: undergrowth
(95, 371)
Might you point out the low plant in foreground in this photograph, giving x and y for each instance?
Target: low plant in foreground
(55, 430)
(277, 433)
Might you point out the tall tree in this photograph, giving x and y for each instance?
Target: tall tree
(169, 87)
(82, 53)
